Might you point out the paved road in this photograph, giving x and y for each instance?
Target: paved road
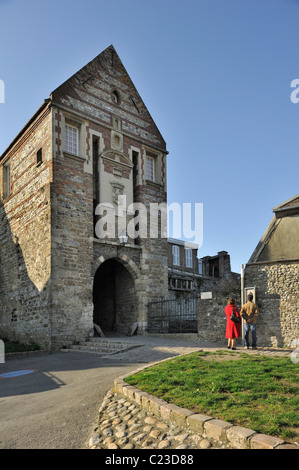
(56, 406)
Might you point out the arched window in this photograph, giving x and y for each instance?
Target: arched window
(115, 97)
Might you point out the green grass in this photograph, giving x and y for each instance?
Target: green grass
(258, 392)
(15, 346)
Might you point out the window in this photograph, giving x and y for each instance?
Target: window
(135, 157)
(115, 97)
(150, 168)
(39, 157)
(175, 255)
(189, 263)
(6, 179)
(200, 266)
(71, 139)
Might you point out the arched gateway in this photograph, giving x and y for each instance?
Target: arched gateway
(114, 296)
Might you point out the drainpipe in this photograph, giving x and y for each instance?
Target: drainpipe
(242, 298)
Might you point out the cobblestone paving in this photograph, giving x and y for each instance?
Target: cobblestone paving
(124, 425)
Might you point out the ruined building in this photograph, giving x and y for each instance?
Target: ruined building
(90, 143)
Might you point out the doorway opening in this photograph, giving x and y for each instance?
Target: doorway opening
(114, 298)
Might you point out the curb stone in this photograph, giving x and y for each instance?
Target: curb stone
(20, 354)
(196, 431)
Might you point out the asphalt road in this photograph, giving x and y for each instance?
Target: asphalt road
(56, 405)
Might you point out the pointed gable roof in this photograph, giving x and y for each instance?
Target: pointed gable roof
(288, 207)
(281, 238)
(103, 88)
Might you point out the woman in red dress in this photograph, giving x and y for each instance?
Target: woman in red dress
(232, 329)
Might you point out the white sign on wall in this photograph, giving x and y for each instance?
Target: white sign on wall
(206, 295)
(249, 290)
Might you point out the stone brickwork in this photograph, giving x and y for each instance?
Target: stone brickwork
(25, 237)
(211, 316)
(277, 287)
(273, 269)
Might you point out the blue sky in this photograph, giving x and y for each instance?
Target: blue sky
(215, 75)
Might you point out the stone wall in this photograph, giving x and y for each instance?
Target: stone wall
(277, 287)
(211, 316)
(25, 238)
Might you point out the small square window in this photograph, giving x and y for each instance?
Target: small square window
(39, 157)
(71, 139)
(6, 179)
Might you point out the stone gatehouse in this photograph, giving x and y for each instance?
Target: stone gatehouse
(92, 142)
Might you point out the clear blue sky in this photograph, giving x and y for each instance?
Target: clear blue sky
(215, 76)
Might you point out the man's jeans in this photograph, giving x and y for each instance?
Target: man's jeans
(247, 328)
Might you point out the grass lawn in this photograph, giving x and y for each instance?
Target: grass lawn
(15, 346)
(257, 392)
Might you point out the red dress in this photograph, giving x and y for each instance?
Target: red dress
(233, 330)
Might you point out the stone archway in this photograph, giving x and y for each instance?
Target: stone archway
(114, 297)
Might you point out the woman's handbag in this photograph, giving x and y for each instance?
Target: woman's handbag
(234, 317)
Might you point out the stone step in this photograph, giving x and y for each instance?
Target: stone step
(101, 346)
(89, 347)
(108, 343)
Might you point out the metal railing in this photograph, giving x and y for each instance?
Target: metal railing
(173, 316)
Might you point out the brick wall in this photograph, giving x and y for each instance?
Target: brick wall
(72, 251)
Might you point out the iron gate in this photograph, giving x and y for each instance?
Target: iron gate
(173, 316)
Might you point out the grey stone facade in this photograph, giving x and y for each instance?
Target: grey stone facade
(277, 296)
(273, 269)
